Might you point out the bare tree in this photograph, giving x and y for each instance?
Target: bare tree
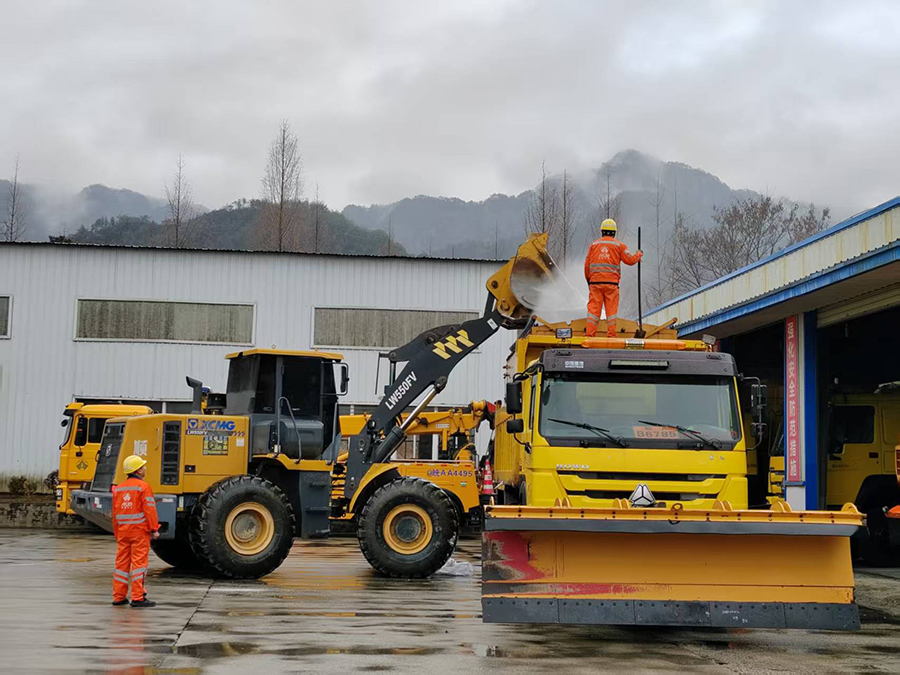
(389, 245)
(180, 225)
(744, 232)
(543, 212)
(282, 187)
(808, 224)
(609, 205)
(568, 211)
(15, 222)
(318, 220)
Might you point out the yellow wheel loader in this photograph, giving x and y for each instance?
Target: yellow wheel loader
(456, 476)
(78, 452)
(622, 495)
(236, 481)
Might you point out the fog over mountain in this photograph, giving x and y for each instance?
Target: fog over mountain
(448, 226)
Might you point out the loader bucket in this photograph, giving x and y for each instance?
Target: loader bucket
(720, 568)
(517, 286)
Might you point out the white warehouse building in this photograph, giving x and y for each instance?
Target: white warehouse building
(99, 323)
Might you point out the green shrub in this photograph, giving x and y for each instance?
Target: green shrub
(21, 486)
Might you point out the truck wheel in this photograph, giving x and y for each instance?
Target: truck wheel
(177, 552)
(408, 529)
(242, 527)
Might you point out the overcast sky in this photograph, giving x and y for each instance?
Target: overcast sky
(392, 99)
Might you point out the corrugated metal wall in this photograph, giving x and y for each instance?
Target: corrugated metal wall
(820, 255)
(42, 366)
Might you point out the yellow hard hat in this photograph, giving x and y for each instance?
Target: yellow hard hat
(132, 463)
(608, 225)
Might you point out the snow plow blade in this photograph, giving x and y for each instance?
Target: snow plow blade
(633, 566)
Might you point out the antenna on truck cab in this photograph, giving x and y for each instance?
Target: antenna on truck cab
(640, 333)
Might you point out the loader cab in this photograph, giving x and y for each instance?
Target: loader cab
(291, 399)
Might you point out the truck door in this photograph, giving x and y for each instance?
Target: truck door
(854, 453)
(890, 418)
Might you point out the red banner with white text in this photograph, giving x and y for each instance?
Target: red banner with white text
(792, 399)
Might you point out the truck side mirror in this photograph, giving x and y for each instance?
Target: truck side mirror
(513, 398)
(81, 431)
(759, 398)
(516, 426)
(344, 380)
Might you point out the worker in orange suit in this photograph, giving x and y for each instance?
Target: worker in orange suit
(602, 271)
(135, 523)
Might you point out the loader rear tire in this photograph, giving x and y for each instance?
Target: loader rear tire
(242, 527)
(177, 552)
(408, 529)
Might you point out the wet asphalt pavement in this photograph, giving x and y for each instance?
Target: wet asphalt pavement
(325, 611)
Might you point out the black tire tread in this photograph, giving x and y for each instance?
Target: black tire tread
(368, 519)
(202, 513)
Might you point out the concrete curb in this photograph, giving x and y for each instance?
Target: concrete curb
(39, 515)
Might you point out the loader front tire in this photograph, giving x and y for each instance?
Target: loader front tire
(177, 552)
(408, 528)
(242, 527)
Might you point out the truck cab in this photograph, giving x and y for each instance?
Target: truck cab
(597, 419)
(83, 426)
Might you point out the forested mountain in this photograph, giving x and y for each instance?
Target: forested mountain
(237, 227)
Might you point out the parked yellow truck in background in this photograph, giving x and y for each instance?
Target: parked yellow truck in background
(78, 452)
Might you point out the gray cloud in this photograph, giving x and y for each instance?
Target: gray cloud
(392, 99)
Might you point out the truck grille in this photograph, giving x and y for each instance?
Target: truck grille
(171, 454)
(642, 477)
(108, 457)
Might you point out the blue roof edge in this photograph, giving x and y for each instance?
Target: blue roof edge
(865, 263)
(834, 229)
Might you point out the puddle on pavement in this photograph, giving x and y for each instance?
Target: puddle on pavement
(213, 650)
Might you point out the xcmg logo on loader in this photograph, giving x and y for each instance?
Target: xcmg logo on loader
(404, 386)
(196, 427)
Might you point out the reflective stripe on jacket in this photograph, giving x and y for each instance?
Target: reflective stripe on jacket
(602, 264)
(134, 508)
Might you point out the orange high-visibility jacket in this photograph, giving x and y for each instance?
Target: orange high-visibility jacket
(602, 264)
(134, 509)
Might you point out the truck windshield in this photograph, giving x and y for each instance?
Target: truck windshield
(625, 406)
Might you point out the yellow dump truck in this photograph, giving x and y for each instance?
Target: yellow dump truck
(83, 425)
(861, 437)
(622, 466)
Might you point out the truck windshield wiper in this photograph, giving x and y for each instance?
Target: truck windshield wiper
(597, 430)
(715, 445)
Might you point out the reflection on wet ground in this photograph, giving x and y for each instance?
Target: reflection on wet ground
(325, 610)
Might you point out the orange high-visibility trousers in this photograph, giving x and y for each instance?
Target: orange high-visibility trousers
(132, 557)
(602, 295)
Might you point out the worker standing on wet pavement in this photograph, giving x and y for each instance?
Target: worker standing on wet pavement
(135, 523)
(602, 271)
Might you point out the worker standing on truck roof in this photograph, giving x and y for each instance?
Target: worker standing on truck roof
(134, 524)
(602, 272)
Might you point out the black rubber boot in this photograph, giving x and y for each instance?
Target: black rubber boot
(119, 603)
(143, 603)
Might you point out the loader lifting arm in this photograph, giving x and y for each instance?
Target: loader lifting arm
(432, 356)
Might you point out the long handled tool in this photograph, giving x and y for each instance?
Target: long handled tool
(639, 333)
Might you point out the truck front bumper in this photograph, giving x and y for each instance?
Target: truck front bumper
(96, 507)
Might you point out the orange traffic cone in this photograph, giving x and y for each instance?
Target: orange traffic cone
(487, 486)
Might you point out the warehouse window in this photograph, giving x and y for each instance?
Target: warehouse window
(5, 307)
(378, 328)
(155, 321)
